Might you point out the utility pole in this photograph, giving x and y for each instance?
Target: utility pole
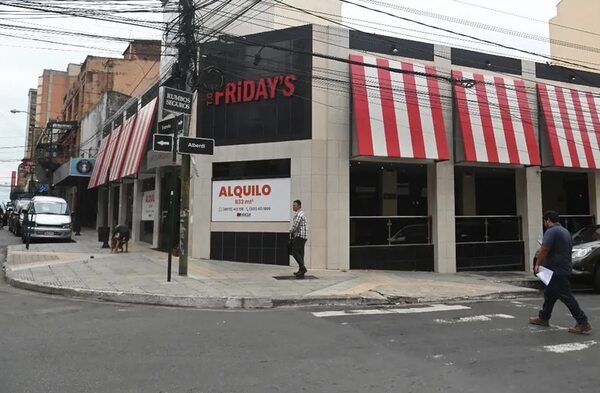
(187, 56)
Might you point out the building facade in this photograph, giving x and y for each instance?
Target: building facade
(574, 34)
(406, 155)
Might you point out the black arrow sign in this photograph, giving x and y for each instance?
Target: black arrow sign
(162, 142)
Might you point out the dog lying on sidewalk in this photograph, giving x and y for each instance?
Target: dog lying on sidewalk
(120, 239)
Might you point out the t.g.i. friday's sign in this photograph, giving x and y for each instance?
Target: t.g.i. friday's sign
(251, 200)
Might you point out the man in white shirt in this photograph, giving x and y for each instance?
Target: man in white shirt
(299, 235)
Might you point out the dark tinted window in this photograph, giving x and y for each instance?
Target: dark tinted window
(587, 234)
(281, 117)
(251, 169)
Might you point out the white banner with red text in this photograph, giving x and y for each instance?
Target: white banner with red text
(251, 200)
(148, 206)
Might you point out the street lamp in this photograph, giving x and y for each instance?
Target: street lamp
(30, 147)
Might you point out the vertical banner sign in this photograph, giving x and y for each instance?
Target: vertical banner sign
(251, 200)
(148, 206)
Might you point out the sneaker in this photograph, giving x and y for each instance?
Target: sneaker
(539, 322)
(581, 328)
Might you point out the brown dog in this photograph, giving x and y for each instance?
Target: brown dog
(117, 245)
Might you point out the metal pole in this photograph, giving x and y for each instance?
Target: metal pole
(105, 217)
(27, 229)
(172, 210)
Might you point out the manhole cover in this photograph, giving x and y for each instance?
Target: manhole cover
(294, 278)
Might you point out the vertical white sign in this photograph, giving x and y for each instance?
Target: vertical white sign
(148, 206)
(251, 200)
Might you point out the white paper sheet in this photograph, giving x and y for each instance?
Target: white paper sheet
(545, 275)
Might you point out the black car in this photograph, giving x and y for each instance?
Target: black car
(586, 256)
(14, 221)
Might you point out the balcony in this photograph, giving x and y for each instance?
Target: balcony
(56, 145)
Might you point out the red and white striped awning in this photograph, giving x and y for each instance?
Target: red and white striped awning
(121, 149)
(572, 125)
(109, 155)
(495, 120)
(95, 176)
(139, 139)
(397, 109)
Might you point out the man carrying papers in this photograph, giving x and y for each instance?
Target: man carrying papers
(555, 255)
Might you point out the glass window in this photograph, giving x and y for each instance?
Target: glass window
(48, 207)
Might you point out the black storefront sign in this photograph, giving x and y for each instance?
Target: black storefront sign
(195, 146)
(178, 101)
(263, 98)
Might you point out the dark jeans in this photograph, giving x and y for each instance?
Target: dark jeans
(560, 289)
(298, 251)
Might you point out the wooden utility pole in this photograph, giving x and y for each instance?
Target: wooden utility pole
(187, 56)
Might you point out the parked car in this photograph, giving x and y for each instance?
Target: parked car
(411, 234)
(50, 218)
(14, 220)
(586, 256)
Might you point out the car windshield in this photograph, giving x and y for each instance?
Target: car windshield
(587, 234)
(22, 203)
(51, 208)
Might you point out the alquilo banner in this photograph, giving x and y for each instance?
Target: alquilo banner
(251, 200)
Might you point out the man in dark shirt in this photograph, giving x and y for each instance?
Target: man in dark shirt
(555, 254)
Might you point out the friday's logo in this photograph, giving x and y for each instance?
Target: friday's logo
(267, 88)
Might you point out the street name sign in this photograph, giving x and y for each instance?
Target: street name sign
(195, 145)
(162, 142)
(167, 126)
(177, 101)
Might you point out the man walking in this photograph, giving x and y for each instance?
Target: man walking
(299, 235)
(555, 254)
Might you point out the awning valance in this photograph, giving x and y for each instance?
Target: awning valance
(572, 125)
(397, 109)
(495, 120)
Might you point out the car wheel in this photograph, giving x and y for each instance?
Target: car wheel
(596, 282)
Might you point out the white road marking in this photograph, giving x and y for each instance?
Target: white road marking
(474, 318)
(569, 347)
(552, 328)
(412, 310)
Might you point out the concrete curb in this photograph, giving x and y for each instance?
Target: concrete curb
(247, 303)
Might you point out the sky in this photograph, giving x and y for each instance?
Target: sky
(25, 60)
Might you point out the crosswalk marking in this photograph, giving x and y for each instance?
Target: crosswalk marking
(569, 347)
(412, 310)
(474, 318)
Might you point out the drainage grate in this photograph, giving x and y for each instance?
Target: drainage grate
(294, 278)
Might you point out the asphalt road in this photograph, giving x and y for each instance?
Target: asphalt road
(53, 344)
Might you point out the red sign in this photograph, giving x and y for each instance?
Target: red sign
(266, 88)
(245, 190)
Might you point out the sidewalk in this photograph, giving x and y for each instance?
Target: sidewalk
(85, 270)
